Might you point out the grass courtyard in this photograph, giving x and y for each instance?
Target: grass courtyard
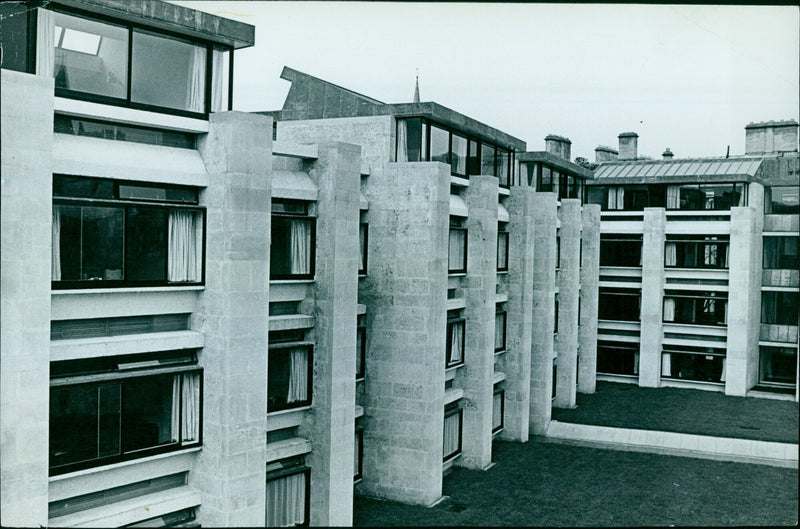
(542, 483)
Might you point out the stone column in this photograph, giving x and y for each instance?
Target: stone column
(406, 294)
(652, 327)
(520, 321)
(589, 277)
(26, 213)
(476, 378)
(544, 287)
(234, 309)
(744, 295)
(337, 172)
(568, 285)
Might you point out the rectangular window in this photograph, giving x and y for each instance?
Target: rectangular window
(702, 308)
(363, 242)
(458, 155)
(502, 248)
(779, 308)
(119, 64)
(621, 250)
(473, 158)
(114, 131)
(780, 252)
(411, 140)
(503, 166)
(124, 241)
(782, 200)
(289, 378)
(288, 493)
(778, 366)
(705, 196)
(102, 418)
(488, 159)
(617, 358)
(498, 408)
(358, 461)
(500, 330)
(545, 180)
(361, 347)
(14, 40)
(555, 314)
(454, 349)
(440, 145)
(293, 246)
(693, 363)
(696, 252)
(453, 418)
(618, 304)
(558, 252)
(457, 251)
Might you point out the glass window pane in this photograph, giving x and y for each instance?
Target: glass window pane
(91, 57)
(782, 200)
(220, 80)
(473, 159)
(440, 145)
(168, 73)
(503, 166)
(150, 405)
(502, 250)
(73, 425)
(286, 501)
(617, 360)
(290, 250)
(457, 250)
(778, 365)
(487, 159)
(146, 244)
(109, 420)
(458, 156)
(100, 243)
(288, 381)
(410, 140)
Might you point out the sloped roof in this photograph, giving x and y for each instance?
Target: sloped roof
(738, 169)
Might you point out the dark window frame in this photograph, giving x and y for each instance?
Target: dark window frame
(462, 270)
(312, 220)
(107, 378)
(454, 408)
(359, 432)
(451, 321)
(619, 254)
(781, 259)
(770, 205)
(291, 471)
(361, 328)
(504, 345)
(701, 244)
(696, 297)
(364, 249)
(782, 317)
(131, 27)
(609, 348)
(502, 393)
(605, 292)
(765, 351)
(502, 234)
(287, 346)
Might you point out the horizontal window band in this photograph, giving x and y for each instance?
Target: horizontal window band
(120, 375)
(290, 345)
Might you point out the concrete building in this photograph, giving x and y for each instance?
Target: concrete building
(699, 266)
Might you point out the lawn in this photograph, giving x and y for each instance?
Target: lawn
(685, 411)
(548, 484)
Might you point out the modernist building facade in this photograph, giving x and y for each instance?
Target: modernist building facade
(212, 317)
(699, 266)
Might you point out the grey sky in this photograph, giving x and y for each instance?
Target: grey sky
(685, 77)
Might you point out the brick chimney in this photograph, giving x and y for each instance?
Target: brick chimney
(771, 136)
(558, 146)
(605, 154)
(628, 146)
(667, 154)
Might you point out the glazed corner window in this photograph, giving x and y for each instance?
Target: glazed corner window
(128, 411)
(782, 200)
(363, 244)
(289, 375)
(498, 405)
(779, 308)
(361, 347)
(454, 349)
(781, 252)
(288, 493)
(111, 234)
(500, 331)
(118, 64)
(293, 247)
(457, 249)
(453, 418)
(502, 248)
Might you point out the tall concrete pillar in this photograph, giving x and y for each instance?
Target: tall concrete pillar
(568, 284)
(589, 278)
(544, 287)
(652, 327)
(476, 379)
(26, 203)
(406, 295)
(519, 309)
(337, 173)
(231, 469)
(744, 296)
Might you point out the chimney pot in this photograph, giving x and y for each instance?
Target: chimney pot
(667, 154)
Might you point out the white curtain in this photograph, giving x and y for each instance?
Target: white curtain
(725, 315)
(722, 376)
(175, 427)
(195, 91)
(620, 198)
(298, 375)
(666, 365)
(636, 363)
(497, 411)
(616, 198)
(402, 140)
(184, 257)
(499, 331)
(55, 265)
(219, 81)
(669, 309)
(45, 42)
(710, 254)
(300, 240)
(456, 256)
(670, 254)
(673, 197)
(451, 431)
(190, 394)
(742, 194)
(286, 501)
(727, 255)
(455, 342)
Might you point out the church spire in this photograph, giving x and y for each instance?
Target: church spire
(416, 89)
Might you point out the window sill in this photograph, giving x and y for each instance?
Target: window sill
(501, 352)
(502, 272)
(290, 410)
(290, 281)
(456, 274)
(360, 379)
(103, 468)
(75, 291)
